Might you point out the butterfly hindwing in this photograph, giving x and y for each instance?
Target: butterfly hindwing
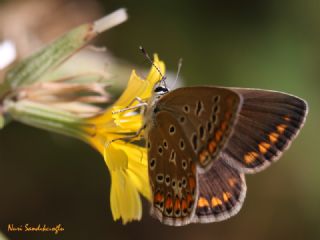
(222, 190)
(172, 171)
(267, 124)
(207, 115)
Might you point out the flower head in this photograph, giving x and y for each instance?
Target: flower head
(127, 162)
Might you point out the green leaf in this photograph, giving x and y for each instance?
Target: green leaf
(34, 67)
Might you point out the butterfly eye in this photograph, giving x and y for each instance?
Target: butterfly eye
(161, 90)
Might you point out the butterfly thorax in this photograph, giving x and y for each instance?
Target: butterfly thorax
(152, 107)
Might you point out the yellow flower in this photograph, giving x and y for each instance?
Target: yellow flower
(127, 162)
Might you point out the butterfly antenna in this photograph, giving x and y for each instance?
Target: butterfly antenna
(178, 73)
(163, 78)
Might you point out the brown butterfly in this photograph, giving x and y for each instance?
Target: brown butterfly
(202, 140)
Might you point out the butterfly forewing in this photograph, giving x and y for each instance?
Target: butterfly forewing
(222, 191)
(172, 171)
(267, 124)
(207, 116)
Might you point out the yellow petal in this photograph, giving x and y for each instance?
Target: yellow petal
(116, 158)
(129, 174)
(135, 88)
(130, 121)
(138, 169)
(124, 199)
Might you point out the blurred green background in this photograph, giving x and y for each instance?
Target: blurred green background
(51, 179)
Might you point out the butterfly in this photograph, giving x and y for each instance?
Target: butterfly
(201, 142)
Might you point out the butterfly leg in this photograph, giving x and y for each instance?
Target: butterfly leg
(128, 138)
(142, 104)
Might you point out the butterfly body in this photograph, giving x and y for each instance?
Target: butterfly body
(202, 140)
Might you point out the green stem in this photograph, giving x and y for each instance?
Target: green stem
(47, 118)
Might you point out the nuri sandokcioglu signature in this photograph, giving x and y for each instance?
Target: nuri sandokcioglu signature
(35, 228)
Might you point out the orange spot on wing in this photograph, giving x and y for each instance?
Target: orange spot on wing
(226, 196)
(168, 203)
(202, 202)
(250, 157)
(223, 126)
(184, 204)
(193, 168)
(189, 197)
(215, 201)
(264, 147)
(218, 135)
(273, 137)
(212, 146)
(192, 183)
(158, 197)
(203, 156)
(232, 182)
(227, 115)
(287, 118)
(177, 204)
(281, 128)
(189, 200)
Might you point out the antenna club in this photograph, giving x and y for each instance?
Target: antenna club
(142, 50)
